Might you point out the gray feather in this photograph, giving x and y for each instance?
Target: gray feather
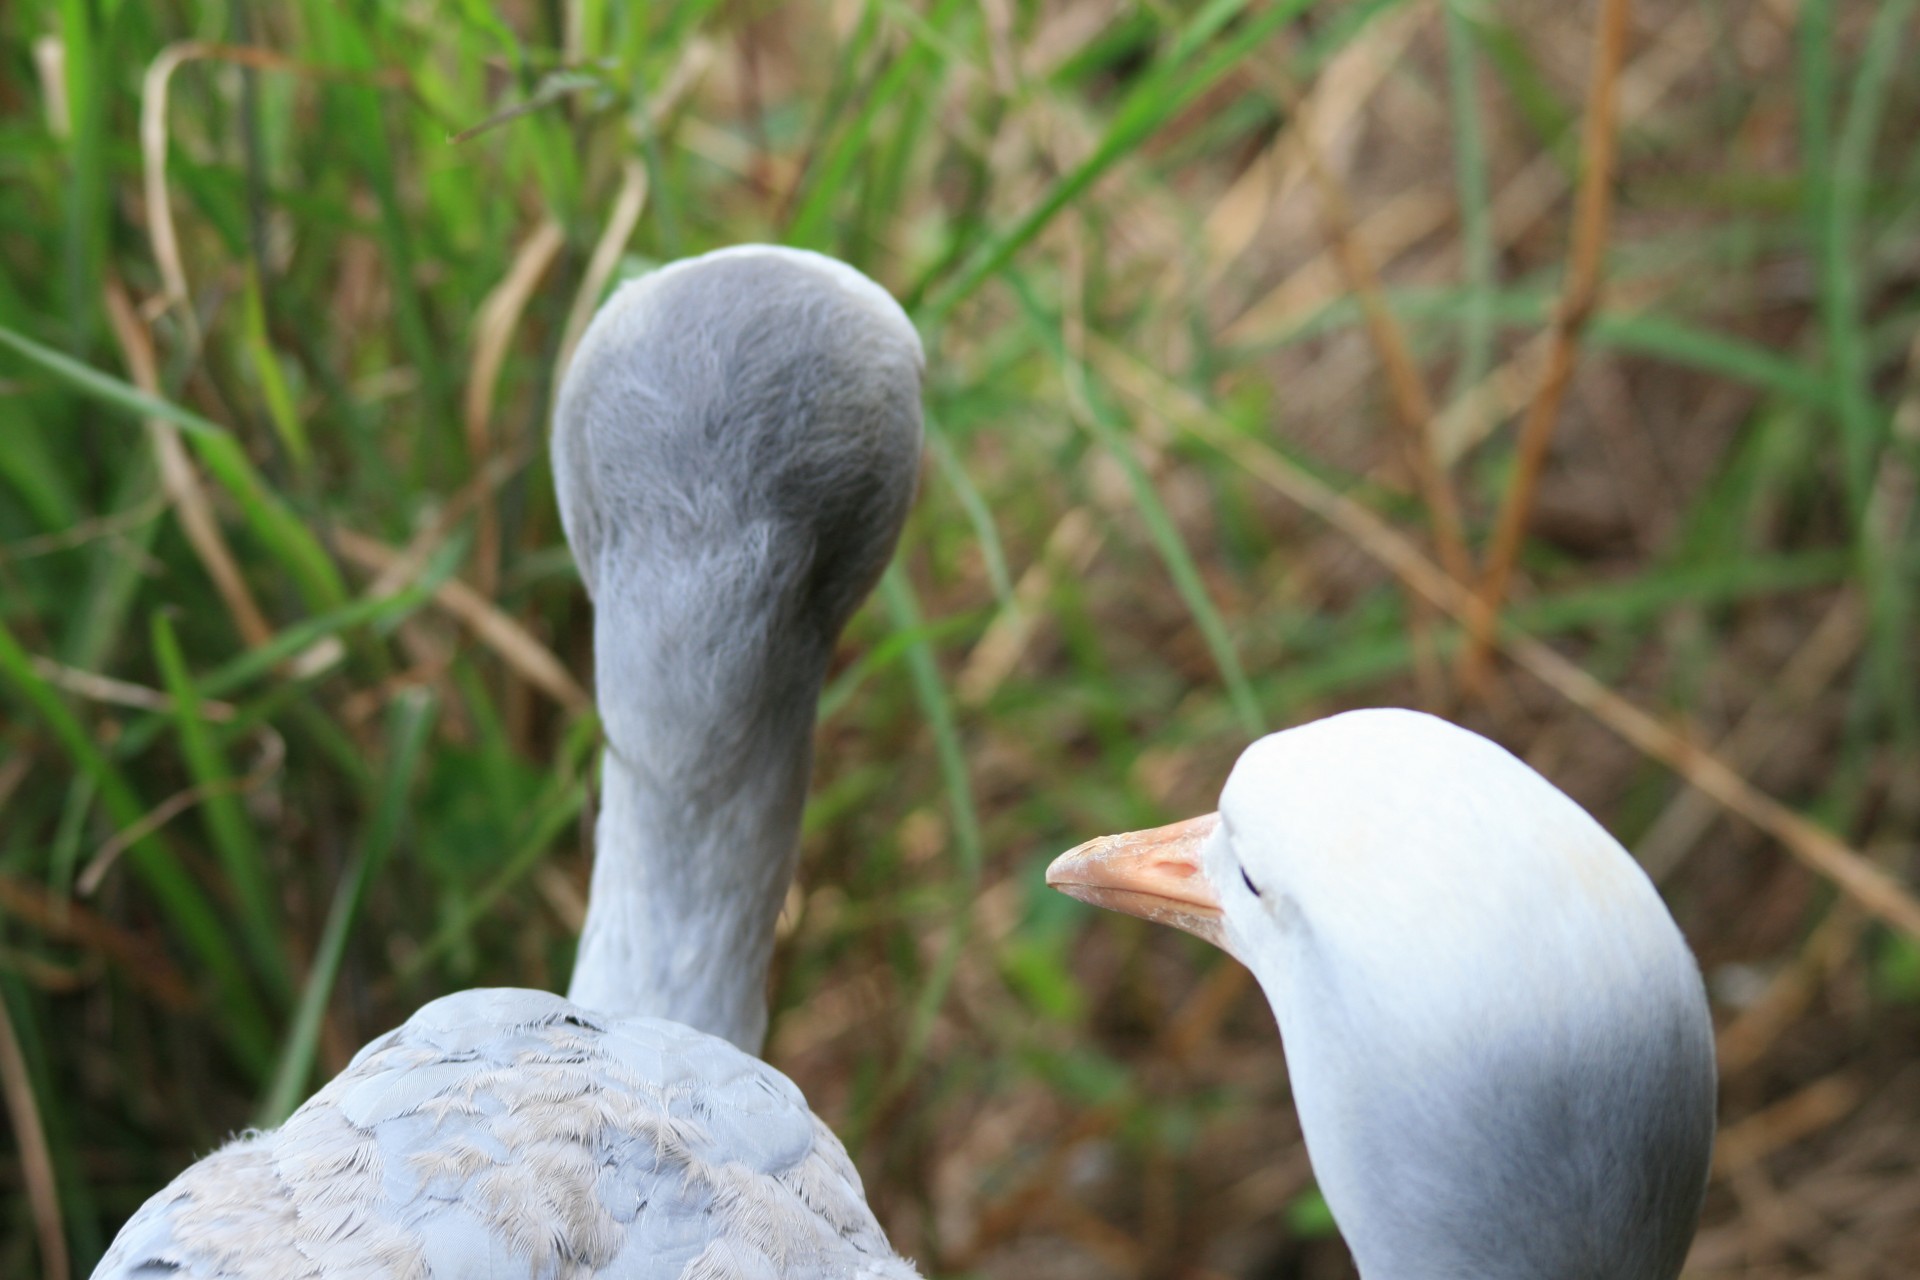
(735, 448)
(512, 1134)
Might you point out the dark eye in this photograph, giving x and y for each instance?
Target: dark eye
(1248, 881)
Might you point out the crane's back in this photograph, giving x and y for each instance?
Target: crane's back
(512, 1134)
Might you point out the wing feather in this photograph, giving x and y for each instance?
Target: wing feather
(513, 1135)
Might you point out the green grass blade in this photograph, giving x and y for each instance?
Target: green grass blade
(1476, 219)
(105, 387)
(1679, 342)
(408, 725)
(87, 221)
(241, 1022)
(904, 612)
(233, 839)
(557, 809)
(1838, 196)
(273, 382)
(98, 619)
(891, 649)
(291, 544)
(1863, 423)
(1100, 419)
(829, 186)
(947, 459)
(36, 476)
(255, 664)
(1157, 99)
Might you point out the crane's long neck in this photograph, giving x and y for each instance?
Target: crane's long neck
(707, 669)
(687, 885)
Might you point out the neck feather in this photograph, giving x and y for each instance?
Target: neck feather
(687, 886)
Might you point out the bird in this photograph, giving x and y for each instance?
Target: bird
(1496, 1038)
(736, 445)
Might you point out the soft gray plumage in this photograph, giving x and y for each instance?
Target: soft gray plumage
(512, 1135)
(735, 449)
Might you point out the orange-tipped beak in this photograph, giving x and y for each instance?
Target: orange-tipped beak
(1151, 874)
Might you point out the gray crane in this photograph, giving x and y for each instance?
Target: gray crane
(735, 449)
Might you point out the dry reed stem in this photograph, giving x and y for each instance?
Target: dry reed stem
(63, 919)
(1586, 260)
(1472, 417)
(36, 1158)
(148, 824)
(153, 149)
(271, 758)
(1821, 851)
(1326, 110)
(50, 67)
(1069, 548)
(1413, 407)
(621, 220)
(179, 480)
(1396, 226)
(153, 153)
(513, 643)
(1813, 666)
(495, 324)
(1525, 199)
(120, 693)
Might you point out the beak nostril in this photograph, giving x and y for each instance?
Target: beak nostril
(1152, 874)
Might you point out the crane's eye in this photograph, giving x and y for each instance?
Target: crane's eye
(1248, 881)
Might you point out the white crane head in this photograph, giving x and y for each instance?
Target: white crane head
(1497, 1039)
(735, 448)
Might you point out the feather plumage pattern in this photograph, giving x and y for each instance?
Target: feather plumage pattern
(512, 1135)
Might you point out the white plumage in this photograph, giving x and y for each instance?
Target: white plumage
(1497, 1039)
(735, 450)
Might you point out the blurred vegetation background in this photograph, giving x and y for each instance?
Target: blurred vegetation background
(1277, 352)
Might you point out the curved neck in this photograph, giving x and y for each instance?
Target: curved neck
(686, 888)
